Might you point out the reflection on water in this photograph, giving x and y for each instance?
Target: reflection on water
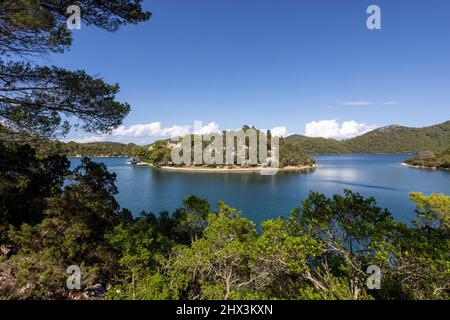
(346, 183)
(264, 197)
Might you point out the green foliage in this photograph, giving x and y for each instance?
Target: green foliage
(191, 219)
(217, 264)
(420, 263)
(281, 259)
(50, 227)
(441, 160)
(25, 183)
(145, 245)
(433, 210)
(99, 149)
(292, 154)
(39, 27)
(397, 139)
(348, 229)
(321, 252)
(317, 145)
(159, 154)
(38, 98)
(141, 247)
(71, 232)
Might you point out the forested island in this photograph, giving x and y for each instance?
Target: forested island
(431, 160)
(291, 157)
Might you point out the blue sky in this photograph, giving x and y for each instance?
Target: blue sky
(271, 63)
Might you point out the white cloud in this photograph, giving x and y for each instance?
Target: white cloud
(146, 132)
(368, 103)
(332, 129)
(175, 131)
(279, 131)
(211, 127)
(154, 129)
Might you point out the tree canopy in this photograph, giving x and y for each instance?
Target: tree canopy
(41, 99)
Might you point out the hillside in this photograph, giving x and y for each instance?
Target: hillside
(110, 149)
(398, 139)
(390, 139)
(317, 145)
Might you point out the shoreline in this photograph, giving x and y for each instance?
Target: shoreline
(232, 170)
(423, 167)
(313, 154)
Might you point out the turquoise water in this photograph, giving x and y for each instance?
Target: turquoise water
(263, 197)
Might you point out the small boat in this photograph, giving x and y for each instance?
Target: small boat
(132, 160)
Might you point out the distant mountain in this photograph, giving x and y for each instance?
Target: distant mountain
(390, 139)
(398, 139)
(110, 149)
(317, 145)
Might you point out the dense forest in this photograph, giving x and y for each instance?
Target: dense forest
(317, 145)
(159, 153)
(99, 149)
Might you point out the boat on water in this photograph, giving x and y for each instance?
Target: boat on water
(132, 160)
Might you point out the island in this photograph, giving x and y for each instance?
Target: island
(430, 160)
(230, 169)
(291, 158)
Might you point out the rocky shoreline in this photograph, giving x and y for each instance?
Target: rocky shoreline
(230, 170)
(423, 167)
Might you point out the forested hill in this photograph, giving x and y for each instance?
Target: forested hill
(390, 139)
(102, 149)
(402, 139)
(317, 145)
